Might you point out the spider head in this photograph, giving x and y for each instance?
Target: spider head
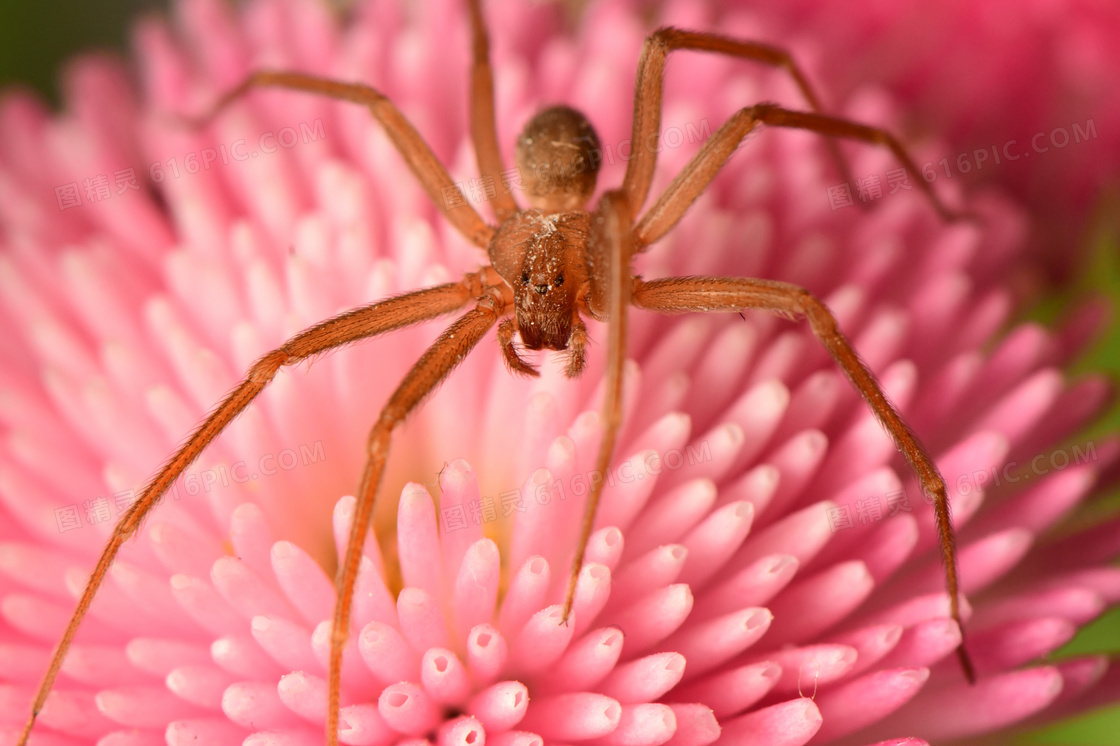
(544, 293)
(558, 155)
(542, 258)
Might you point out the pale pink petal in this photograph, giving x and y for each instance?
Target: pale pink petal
(387, 653)
(788, 724)
(644, 679)
(407, 709)
(487, 652)
(500, 706)
(256, 705)
(576, 716)
(867, 699)
(200, 685)
(444, 677)
(730, 692)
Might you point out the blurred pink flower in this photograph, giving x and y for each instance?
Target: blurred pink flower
(1024, 94)
(764, 570)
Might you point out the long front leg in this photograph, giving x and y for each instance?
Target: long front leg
(431, 174)
(361, 323)
(688, 294)
(434, 366)
(695, 177)
(610, 298)
(647, 96)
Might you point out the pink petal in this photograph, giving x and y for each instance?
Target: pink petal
(586, 661)
(256, 705)
(709, 644)
(711, 544)
(285, 642)
(388, 654)
(752, 586)
(644, 679)
(362, 725)
(476, 586)
(303, 581)
(500, 706)
(407, 709)
(805, 668)
(243, 657)
(463, 731)
(526, 594)
(730, 692)
(444, 677)
(643, 575)
(991, 703)
(696, 726)
(642, 725)
(814, 604)
(160, 656)
(787, 724)
(870, 644)
(220, 732)
(868, 699)
(487, 652)
(1015, 643)
(422, 621)
(418, 541)
(575, 716)
(653, 618)
(199, 685)
(542, 641)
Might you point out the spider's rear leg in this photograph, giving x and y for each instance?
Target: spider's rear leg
(450, 349)
(695, 177)
(648, 94)
(689, 294)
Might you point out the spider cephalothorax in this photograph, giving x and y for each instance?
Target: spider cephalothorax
(541, 256)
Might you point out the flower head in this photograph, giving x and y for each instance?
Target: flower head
(764, 567)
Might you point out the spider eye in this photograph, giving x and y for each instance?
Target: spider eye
(559, 280)
(524, 278)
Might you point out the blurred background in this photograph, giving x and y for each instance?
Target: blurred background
(38, 36)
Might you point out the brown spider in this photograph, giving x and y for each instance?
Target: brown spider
(550, 266)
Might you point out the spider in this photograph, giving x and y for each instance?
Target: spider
(551, 265)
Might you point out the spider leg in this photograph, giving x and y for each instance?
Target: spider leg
(610, 298)
(687, 294)
(360, 323)
(484, 132)
(648, 91)
(695, 177)
(432, 175)
(428, 372)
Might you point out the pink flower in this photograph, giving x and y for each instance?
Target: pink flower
(764, 568)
